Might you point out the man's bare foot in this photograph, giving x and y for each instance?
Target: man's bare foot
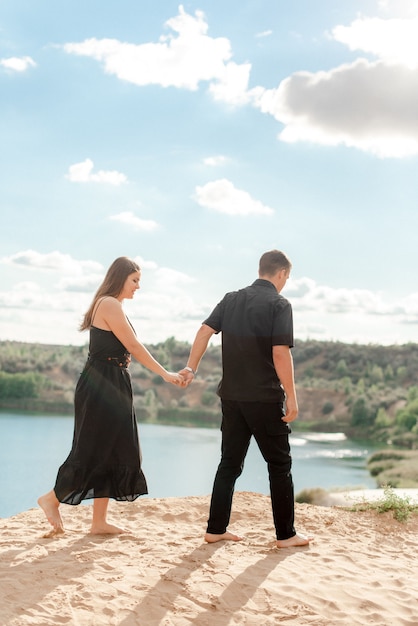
(296, 540)
(50, 506)
(105, 529)
(210, 538)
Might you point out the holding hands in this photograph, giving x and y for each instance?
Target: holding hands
(174, 378)
(187, 375)
(183, 378)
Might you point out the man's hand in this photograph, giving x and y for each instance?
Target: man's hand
(283, 363)
(187, 376)
(197, 350)
(292, 410)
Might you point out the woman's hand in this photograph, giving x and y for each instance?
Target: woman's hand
(187, 376)
(173, 378)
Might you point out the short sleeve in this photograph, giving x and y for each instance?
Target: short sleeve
(282, 332)
(215, 318)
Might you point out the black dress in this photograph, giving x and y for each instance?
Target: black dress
(105, 458)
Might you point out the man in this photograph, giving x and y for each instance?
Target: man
(257, 382)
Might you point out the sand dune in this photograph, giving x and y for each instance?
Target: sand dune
(360, 569)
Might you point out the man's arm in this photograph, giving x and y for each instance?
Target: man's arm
(283, 364)
(197, 350)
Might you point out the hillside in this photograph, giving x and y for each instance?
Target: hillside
(365, 391)
(337, 383)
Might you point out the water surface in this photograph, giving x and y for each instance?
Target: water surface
(176, 461)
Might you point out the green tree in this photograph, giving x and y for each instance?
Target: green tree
(27, 385)
(348, 385)
(361, 414)
(389, 375)
(407, 417)
(327, 408)
(401, 374)
(376, 374)
(341, 369)
(382, 419)
(151, 404)
(209, 398)
(412, 393)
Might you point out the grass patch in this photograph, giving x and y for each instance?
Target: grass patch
(397, 468)
(390, 501)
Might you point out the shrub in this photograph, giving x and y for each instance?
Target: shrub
(327, 408)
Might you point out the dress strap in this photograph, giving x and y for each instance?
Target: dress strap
(96, 308)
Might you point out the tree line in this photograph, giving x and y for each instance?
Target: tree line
(368, 391)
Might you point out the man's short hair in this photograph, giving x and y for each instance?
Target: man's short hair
(273, 261)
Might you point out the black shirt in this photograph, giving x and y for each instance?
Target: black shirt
(252, 321)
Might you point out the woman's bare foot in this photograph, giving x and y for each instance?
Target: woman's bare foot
(296, 540)
(50, 506)
(210, 538)
(105, 529)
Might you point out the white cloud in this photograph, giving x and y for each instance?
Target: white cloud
(350, 315)
(163, 278)
(25, 294)
(183, 58)
(391, 40)
(83, 173)
(399, 8)
(55, 261)
(167, 305)
(232, 85)
(307, 296)
(169, 280)
(215, 161)
(264, 33)
(81, 284)
(165, 302)
(31, 297)
(168, 309)
(222, 196)
(50, 311)
(17, 64)
(128, 218)
(144, 264)
(369, 106)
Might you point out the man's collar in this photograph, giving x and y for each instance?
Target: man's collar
(263, 282)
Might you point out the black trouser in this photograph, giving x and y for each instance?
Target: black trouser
(241, 420)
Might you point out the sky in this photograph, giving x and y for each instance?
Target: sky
(194, 137)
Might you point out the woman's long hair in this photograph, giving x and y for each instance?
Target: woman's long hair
(112, 285)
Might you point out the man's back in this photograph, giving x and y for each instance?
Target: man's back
(252, 320)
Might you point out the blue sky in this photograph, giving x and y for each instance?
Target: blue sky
(194, 137)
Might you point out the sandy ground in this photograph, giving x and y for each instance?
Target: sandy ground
(361, 568)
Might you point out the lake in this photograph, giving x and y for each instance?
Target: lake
(176, 461)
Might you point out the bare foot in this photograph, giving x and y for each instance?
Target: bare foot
(105, 529)
(296, 540)
(53, 533)
(50, 506)
(210, 538)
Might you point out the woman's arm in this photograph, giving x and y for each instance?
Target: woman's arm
(110, 316)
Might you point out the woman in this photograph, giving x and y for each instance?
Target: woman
(105, 458)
